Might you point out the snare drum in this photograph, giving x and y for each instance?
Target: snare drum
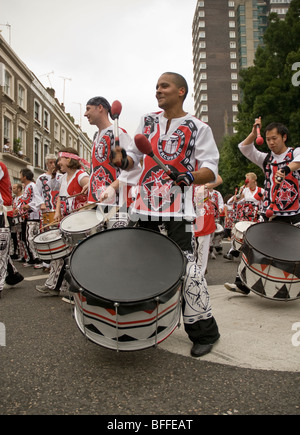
(79, 225)
(48, 218)
(119, 220)
(50, 245)
(270, 263)
(127, 287)
(238, 233)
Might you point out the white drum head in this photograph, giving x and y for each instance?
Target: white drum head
(242, 226)
(81, 221)
(48, 236)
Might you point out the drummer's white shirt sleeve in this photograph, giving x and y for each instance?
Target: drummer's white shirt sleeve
(253, 154)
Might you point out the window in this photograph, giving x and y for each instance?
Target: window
(232, 24)
(22, 97)
(37, 152)
(204, 118)
(7, 129)
(232, 44)
(234, 86)
(235, 97)
(203, 108)
(233, 65)
(8, 84)
(37, 112)
(46, 120)
(22, 137)
(203, 97)
(63, 137)
(235, 108)
(231, 34)
(202, 65)
(202, 55)
(56, 131)
(234, 76)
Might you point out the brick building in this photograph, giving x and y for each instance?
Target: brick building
(33, 122)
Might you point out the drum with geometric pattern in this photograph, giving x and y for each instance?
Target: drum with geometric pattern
(127, 287)
(270, 264)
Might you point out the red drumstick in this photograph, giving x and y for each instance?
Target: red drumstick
(115, 111)
(259, 139)
(143, 145)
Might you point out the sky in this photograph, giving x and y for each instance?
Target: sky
(112, 48)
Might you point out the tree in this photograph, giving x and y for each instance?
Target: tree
(270, 89)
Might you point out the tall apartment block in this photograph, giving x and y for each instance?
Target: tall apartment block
(226, 34)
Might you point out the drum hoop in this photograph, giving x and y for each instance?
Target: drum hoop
(68, 231)
(47, 241)
(174, 287)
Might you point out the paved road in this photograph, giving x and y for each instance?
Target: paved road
(48, 367)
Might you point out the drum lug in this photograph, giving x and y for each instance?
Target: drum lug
(157, 306)
(116, 305)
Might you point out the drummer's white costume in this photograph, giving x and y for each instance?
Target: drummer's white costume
(188, 144)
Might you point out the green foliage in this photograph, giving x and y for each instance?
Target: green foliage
(268, 90)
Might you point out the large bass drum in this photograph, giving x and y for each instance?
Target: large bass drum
(127, 287)
(270, 264)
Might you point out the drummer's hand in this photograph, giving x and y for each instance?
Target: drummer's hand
(108, 195)
(118, 157)
(256, 122)
(279, 177)
(56, 217)
(43, 207)
(85, 189)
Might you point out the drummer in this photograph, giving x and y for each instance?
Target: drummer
(248, 204)
(104, 184)
(72, 184)
(282, 161)
(183, 143)
(48, 187)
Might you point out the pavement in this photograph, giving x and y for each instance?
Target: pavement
(256, 333)
(48, 367)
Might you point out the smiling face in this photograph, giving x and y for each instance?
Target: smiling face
(276, 142)
(168, 94)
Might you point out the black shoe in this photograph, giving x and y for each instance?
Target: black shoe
(14, 256)
(14, 279)
(201, 349)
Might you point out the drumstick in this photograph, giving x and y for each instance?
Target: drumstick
(115, 111)
(259, 139)
(143, 145)
(49, 225)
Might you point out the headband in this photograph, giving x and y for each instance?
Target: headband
(75, 157)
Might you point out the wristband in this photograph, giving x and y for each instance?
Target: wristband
(286, 170)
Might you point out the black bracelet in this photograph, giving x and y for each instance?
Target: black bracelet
(286, 170)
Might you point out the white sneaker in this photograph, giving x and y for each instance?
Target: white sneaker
(234, 288)
(46, 290)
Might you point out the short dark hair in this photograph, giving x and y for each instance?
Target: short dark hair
(99, 101)
(281, 128)
(27, 173)
(180, 82)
